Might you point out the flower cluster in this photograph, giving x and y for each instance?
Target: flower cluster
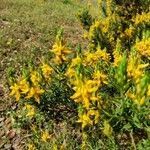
(30, 86)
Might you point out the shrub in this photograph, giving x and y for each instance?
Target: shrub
(107, 84)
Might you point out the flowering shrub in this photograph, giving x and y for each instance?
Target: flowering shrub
(107, 84)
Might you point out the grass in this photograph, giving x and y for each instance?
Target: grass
(28, 29)
(27, 32)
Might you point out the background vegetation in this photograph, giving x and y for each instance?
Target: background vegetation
(79, 72)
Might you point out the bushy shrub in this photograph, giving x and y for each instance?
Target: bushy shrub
(107, 84)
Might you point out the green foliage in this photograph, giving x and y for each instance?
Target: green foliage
(85, 18)
(102, 92)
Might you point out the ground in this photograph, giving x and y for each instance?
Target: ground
(27, 31)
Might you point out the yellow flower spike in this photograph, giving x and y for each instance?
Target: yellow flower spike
(86, 102)
(15, 90)
(108, 7)
(24, 86)
(46, 70)
(102, 54)
(85, 120)
(30, 110)
(60, 51)
(93, 29)
(100, 77)
(35, 77)
(45, 136)
(35, 92)
(117, 58)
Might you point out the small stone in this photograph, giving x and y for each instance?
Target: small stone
(2, 144)
(1, 124)
(14, 107)
(7, 121)
(11, 134)
(7, 146)
(8, 126)
(2, 119)
(2, 133)
(1, 91)
(15, 146)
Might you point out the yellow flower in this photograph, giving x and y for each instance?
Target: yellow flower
(76, 61)
(35, 92)
(30, 110)
(70, 72)
(81, 94)
(90, 58)
(15, 90)
(142, 18)
(93, 29)
(107, 130)
(60, 52)
(47, 70)
(85, 92)
(142, 100)
(129, 32)
(31, 147)
(134, 68)
(95, 114)
(117, 54)
(100, 77)
(139, 94)
(63, 146)
(24, 86)
(35, 77)
(117, 58)
(55, 147)
(91, 86)
(102, 54)
(143, 47)
(105, 24)
(108, 7)
(45, 136)
(85, 35)
(85, 120)
(136, 98)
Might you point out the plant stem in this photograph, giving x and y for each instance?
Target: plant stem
(132, 140)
